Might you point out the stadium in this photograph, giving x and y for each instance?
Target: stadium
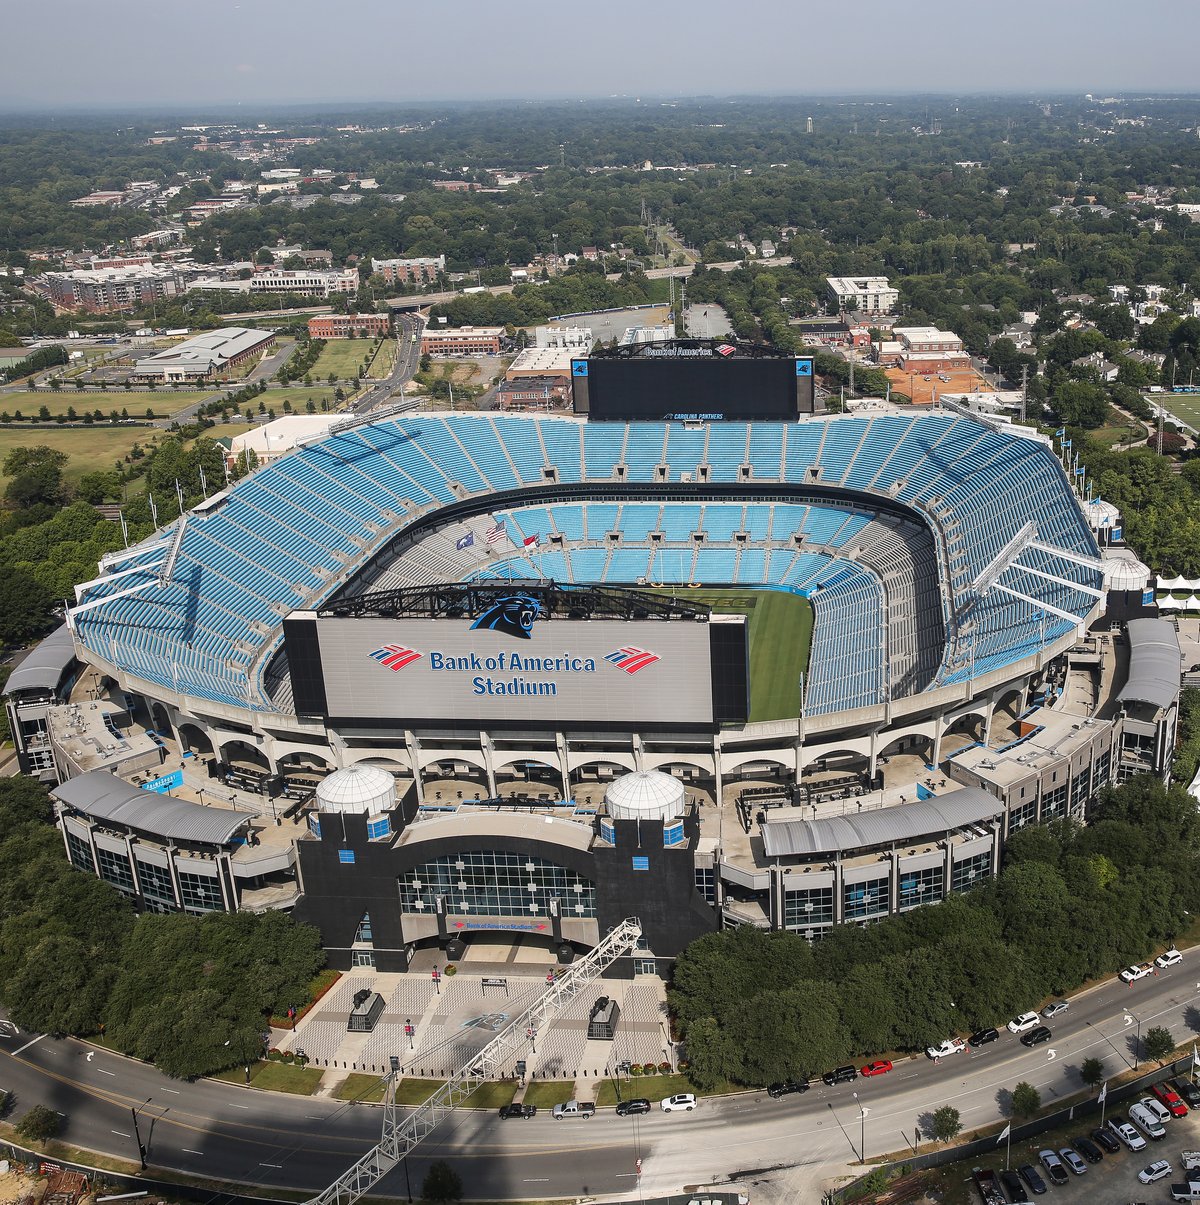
(811, 669)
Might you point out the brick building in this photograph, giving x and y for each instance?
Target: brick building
(420, 271)
(466, 341)
(346, 326)
(533, 393)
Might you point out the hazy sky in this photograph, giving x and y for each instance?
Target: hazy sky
(154, 52)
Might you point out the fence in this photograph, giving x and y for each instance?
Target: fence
(982, 1146)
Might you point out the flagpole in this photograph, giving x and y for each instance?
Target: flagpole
(1008, 1146)
(1103, 1098)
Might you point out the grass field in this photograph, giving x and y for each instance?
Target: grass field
(91, 449)
(1185, 406)
(276, 1077)
(164, 402)
(780, 638)
(358, 1086)
(341, 357)
(381, 363)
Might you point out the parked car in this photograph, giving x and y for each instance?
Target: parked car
(1168, 958)
(1054, 1008)
(1126, 1133)
(1134, 973)
(1147, 1122)
(785, 1087)
(680, 1102)
(1073, 1160)
(1023, 1022)
(1088, 1149)
(1012, 1185)
(1157, 1170)
(981, 1037)
(1156, 1109)
(1169, 1099)
(879, 1067)
(839, 1075)
(522, 1111)
(1033, 1178)
(1054, 1167)
(1035, 1037)
(574, 1108)
(1189, 1091)
(630, 1108)
(949, 1046)
(1105, 1138)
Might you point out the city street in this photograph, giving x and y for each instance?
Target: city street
(788, 1148)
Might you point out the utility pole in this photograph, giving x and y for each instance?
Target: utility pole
(1024, 390)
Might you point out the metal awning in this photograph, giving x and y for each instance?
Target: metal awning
(103, 796)
(43, 669)
(880, 826)
(1154, 666)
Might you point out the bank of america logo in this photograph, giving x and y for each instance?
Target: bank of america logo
(395, 656)
(631, 659)
(726, 349)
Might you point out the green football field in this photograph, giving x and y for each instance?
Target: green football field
(780, 636)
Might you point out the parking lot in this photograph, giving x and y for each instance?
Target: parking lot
(1112, 1181)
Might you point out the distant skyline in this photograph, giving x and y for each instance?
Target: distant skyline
(138, 53)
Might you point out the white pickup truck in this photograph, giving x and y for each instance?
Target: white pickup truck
(1188, 1191)
(1190, 1161)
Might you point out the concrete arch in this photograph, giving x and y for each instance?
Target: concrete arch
(304, 760)
(160, 719)
(237, 750)
(393, 765)
(430, 761)
(702, 763)
(194, 737)
(577, 762)
(914, 742)
(732, 763)
(540, 758)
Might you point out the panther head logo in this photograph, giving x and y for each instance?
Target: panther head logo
(513, 615)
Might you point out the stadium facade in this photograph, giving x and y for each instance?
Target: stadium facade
(957, 687)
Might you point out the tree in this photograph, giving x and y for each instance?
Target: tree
(40, 1124)
(442, 1184)
(1091, 1071)
(1157, 1043)
(1026, 1100)
(24, 606)
(946, 1124)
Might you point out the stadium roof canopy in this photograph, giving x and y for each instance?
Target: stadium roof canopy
(105, 797)
(880, 826)
(44, 667)
(1153, 663)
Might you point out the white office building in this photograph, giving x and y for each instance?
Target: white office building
(863, 294)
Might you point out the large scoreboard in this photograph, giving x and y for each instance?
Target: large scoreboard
(516, 663)
(702, 380)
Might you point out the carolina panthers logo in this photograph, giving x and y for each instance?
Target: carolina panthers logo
(514, 616)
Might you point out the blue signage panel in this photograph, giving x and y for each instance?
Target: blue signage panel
(579, 368)
(166, 783)
(804, 368)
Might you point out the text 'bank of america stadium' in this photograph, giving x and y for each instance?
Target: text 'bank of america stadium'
(439, 676)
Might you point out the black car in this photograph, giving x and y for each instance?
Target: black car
(1032, 1177)
(1035, 1037)
(786, 1087)
(522, 1111)
(1106, 1139)
(839, 1075)
(1187, 1090)
(1088, 1149)
(628, 1108)
(983, 1037)
(1013, 1186)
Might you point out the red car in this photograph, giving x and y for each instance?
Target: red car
(882, 1067)
(1169, 1099)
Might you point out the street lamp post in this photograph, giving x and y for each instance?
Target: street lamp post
(862, 1130)
(137, 1134)
(1137, 1044)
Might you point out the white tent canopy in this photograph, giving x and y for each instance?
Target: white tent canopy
(1178, 583)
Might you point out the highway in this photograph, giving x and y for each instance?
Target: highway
(787, 1147)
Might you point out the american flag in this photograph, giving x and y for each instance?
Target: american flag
(495, 534)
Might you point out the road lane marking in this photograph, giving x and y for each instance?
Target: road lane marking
(31, 1042)
(103, 1072)
(173, 1091)
(120, 1133)
(278, 1165)
(239, 1106)
(187, 1150)
(543, 1180)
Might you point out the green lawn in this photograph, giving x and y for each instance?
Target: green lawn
(276, 1077)
(299, 397)
(546, 1093)
(1185, 405)
(357, 1086)
(342, 357)
(164, 402)
(381, 363)
(780, 639)
(91, 449)
(652, 1087)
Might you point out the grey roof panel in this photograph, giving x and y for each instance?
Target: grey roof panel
(1154, 666)
(104, 796)
(880, 826)
(44, 667)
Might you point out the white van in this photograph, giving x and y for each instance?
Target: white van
(1147, 1122)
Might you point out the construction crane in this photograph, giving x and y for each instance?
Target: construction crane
(400, 1138)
